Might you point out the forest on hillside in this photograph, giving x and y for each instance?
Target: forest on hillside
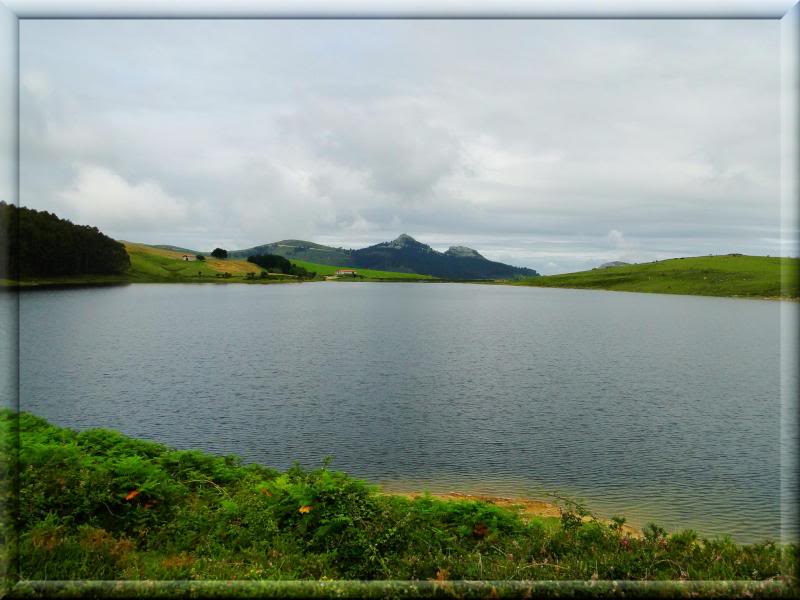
(39, 244)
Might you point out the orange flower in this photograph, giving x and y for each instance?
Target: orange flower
(304, 509)
(132, 494)
(265, 491)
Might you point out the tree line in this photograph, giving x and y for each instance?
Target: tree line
(275, 263)
(39, 244)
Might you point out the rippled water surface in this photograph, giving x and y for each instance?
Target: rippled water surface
(663, 408)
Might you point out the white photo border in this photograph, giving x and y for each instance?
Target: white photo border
(786, 11)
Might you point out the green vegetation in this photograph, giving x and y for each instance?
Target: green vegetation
(39, 244)
(300, 250)
(100, 505)
(151, 264)
(728, 275)
(274, 263)
(328, 270)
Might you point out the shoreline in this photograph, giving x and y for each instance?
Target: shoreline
(525, 507)
(13, 285)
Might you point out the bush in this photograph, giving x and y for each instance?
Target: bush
(278, 264)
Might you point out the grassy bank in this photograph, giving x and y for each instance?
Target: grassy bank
(100, 505)
(327, 271)
(728, 275)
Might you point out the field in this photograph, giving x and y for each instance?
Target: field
(99, 505)
(149, 263)
(327, 270)
(728, 275)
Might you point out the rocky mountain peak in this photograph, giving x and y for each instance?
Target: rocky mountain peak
(462, 251)
(403, 240)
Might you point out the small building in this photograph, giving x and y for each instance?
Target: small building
(186, 257)
(348, 272)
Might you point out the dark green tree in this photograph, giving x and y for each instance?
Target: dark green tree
(39, 244)
(219, 253)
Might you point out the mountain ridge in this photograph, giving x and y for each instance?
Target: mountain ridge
(403, 254)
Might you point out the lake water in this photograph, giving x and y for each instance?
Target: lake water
(657, 407)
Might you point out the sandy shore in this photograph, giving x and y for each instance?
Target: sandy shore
(524, 506)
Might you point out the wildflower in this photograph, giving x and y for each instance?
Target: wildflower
(304, 509)
(132, 494)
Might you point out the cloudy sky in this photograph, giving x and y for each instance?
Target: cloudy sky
(556, 145)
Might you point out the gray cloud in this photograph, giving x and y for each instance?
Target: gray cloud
(533, 141)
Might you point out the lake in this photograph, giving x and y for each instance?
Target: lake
(660, 408)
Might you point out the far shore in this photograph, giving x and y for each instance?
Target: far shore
(117, 280)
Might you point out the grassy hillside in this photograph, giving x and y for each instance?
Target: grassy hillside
(728, 275)
(325, 270)
(150, 263)
(99, 505)
(300, 250)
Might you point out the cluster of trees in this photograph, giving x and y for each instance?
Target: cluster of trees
(278, 264)
(219, 253)
(39, 244)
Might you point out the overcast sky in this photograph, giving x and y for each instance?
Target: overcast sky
(556, 145)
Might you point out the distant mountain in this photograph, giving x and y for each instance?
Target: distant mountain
(407, 254)
(177, 249)
(462, 251)
(615, 263)
(403, 254)
(300, 250)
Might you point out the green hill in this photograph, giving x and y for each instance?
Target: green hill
(727, 275)
(158, 264)
(328, 270)
(300, 250)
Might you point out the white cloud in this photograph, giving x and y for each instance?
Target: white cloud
(616, 239)
(99, 196)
